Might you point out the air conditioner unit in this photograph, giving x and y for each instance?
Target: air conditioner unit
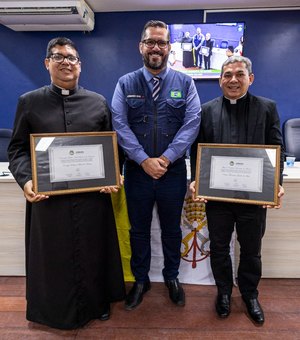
(49, 15)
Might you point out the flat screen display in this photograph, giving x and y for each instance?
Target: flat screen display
(199, 50)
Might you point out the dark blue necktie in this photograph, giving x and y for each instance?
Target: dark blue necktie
(156, 88)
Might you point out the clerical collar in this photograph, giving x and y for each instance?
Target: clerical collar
(62, 91)
(234, 101)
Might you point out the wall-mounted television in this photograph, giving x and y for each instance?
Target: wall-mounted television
(199, 50)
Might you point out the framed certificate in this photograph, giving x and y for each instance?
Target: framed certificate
(240, 173)
(64, 163)
(205, 50)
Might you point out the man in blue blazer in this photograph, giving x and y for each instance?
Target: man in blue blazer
(238, 117)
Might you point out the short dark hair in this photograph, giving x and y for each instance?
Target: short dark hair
(154, 23)
(62, 41)
(230, 48)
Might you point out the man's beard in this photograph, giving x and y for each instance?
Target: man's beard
(157, 65)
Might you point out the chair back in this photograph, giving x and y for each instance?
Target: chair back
(291, 137)
(5, 136)
(224, 44)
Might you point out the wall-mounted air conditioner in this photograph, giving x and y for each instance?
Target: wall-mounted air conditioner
(49, 15)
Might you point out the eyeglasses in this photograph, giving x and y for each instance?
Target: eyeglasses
(59, 58)
(150, 43)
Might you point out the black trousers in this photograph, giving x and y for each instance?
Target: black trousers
(250, 223)
(207, 62)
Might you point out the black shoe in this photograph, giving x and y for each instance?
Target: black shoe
(135, 295)
(176, 292)
(255, 311)
(223, 305)
(106, 313)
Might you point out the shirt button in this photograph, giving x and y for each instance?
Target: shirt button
(68, 122)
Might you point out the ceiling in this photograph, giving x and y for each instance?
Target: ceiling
(149, 5)
(160, 5)
(26, 21)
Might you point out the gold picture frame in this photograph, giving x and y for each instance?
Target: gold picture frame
(240, 173)
(65, 163)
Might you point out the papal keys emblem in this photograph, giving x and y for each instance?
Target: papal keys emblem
(195, 243)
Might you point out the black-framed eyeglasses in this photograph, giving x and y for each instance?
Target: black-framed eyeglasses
(150, 43)
(59, 58)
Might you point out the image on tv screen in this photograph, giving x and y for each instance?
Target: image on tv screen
(199, 50)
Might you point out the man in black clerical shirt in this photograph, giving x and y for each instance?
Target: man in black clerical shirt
(237, 117)
(73, 264)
